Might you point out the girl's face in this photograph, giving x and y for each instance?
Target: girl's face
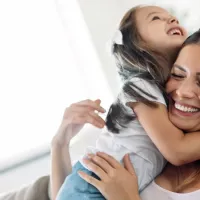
(159, 30)
(183, 88)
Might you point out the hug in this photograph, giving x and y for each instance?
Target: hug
(150, 142)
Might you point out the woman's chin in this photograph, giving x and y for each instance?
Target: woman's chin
(181, 124)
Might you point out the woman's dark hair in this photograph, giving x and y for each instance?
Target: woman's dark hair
(194, 39)
(134, 60)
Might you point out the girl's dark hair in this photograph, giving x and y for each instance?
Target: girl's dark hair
(134, 60)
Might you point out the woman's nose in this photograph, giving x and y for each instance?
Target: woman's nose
(186, 91)
(173, 20)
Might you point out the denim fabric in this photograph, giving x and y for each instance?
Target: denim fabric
(75, 188)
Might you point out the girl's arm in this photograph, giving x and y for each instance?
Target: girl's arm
(178, 148)
(73, 121)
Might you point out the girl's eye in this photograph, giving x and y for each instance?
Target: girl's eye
(155, 18)
(177, 76)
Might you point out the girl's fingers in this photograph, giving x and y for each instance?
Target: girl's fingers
(128, 165)
(96, 169)
(113, 162)
(102, 163)
(93, 181)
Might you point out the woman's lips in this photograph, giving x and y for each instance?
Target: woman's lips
(182, 113)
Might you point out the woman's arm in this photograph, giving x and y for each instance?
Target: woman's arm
(60, 167)
(178, 148)
(116, 182)
(73, 121)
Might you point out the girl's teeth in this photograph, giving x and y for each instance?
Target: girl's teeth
(172, 32)
(185, 109)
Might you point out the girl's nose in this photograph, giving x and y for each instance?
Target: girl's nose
(173, 20)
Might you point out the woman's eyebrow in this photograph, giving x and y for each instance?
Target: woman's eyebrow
(179, 67)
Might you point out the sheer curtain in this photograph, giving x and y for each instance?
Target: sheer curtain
(47, 61)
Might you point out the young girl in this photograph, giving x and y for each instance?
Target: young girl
(150, 39)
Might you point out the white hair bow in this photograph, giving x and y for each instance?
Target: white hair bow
(117, 37)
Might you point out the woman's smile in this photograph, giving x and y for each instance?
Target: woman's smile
(183, 109)
(183, 87)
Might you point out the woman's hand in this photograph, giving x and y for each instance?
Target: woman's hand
(116, 182)
(75, 117)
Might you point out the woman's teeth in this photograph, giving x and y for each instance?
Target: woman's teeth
(184, 108)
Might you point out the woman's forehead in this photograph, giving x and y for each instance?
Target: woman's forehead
(189, 58)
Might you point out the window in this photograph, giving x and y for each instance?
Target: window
(43, 70)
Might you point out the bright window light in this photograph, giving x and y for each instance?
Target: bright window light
(39, 75)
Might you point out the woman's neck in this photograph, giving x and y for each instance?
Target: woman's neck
(172, 177)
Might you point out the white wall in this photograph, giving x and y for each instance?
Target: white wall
(24, 175)
(102, 18)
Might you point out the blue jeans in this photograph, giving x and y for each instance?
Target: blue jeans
(75, 188)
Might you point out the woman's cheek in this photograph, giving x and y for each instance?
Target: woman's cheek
(171, 85)
(168, 85)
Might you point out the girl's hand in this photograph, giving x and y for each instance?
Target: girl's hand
(75, 117)
(116, 182)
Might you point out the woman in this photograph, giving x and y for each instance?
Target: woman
(121, 183)
(178, 183)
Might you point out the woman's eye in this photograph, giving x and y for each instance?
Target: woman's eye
(155, 18)
(177, 76)
(198, 83)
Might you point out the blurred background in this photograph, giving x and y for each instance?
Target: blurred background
(54, 53)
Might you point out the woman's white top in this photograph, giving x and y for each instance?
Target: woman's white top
(155, 192)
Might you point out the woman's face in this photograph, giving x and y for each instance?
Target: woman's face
(159, 30)
(183, 88)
